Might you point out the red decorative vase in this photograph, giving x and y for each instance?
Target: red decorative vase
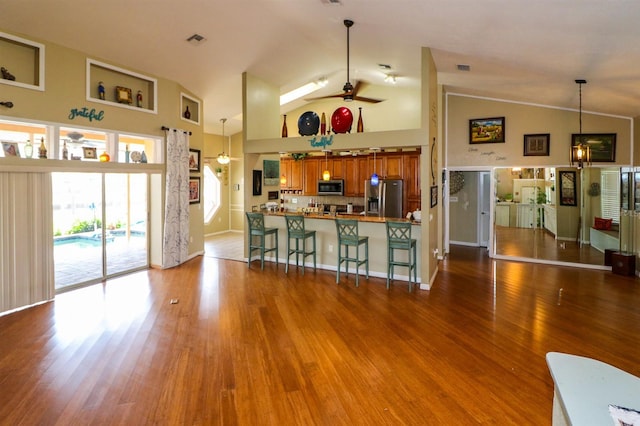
(342, 120)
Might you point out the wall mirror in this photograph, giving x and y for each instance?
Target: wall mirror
(562, 215)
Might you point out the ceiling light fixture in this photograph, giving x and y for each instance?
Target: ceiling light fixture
(581, 152)
(348, 87)
(303, 90)
(390, 78)
(223, 158)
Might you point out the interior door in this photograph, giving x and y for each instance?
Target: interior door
(484, 208)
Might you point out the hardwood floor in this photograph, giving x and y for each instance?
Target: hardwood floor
(245, 347)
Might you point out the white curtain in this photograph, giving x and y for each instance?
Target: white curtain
(175, 248)
(26, 244)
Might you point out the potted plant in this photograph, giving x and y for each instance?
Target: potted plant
(218, 171)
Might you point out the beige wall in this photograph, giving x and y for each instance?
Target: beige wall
(523, 119)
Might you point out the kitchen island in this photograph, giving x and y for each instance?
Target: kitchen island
(327, 242)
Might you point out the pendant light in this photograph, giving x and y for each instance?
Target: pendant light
(374, 177)
(326, 175)
(223, 158)
(581, 152)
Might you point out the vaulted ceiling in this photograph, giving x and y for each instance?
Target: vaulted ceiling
(530, 51)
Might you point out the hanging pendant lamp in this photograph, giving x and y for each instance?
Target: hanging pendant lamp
(326, 175)
(374, 177)
(580, 152)
(223, 158)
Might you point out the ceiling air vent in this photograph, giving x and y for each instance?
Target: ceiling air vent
(464, 67)
(196, 39)
(333, 2)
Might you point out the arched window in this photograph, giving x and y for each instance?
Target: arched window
(211, 193)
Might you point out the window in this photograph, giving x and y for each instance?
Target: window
(211, 193)
(610, 194)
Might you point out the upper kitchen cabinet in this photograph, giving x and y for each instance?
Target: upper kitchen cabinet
(22, 62)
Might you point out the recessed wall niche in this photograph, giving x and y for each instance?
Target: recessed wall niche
(22, 62)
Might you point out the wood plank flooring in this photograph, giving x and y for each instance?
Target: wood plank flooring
(245, 347)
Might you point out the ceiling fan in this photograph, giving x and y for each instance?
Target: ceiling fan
(350, 92)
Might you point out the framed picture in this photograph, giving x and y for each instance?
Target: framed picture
(194, 160)
(625, 191)
(123, 95)
(603, 146)
(11, 149)
(486, 130)
(537, 144)
(434, 196)
(194, 190)
(568, 188)
(89, 153)
(257, 182)
(271, 172)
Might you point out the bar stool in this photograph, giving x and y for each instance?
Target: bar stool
(348, 237)
(257, 229)
(295, 230)
(399, 238)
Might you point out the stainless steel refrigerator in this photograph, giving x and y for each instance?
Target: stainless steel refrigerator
(384, 199)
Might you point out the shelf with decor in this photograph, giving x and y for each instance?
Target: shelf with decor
(111, 85)
(189, 109)
(22, 62)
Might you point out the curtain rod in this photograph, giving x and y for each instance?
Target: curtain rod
(175, 130)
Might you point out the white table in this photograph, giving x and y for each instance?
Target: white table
(584, 388)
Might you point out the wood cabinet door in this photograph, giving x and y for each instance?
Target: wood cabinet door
(296, 175)
(364, 172)
(336, 167)
(311, 174)
(412, 176)
(285, 170)
(350, 167)
(392, 166)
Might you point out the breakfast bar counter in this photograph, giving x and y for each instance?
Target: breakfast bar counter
(327, 242)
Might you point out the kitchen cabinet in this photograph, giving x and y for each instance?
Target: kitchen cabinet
(364, 169)
(311, 175)
(292, 171)
(336, 167)
(411, 176)
(392, 166)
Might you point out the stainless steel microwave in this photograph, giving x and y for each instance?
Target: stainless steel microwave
(331, 187)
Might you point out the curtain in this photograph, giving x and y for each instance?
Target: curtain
(26, 247)
(175, 248)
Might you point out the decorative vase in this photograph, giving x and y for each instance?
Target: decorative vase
(360, 123)
(285, 132)
(42, 151)
(28, 149)
(65, 151)
(127, 154)
(323, 124)
(187, 113)
(143, 157)
(105, 157)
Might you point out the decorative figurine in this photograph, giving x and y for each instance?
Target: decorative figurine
(7, 75)
(101, 90)
(65, 151)
(42, 151)
(139, 98)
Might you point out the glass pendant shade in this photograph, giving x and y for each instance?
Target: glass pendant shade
(283, 180)
(326, 175)
(374, 179)
(223, 158)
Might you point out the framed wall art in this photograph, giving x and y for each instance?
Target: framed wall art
(89, 153)
(486, 130)
(123, 95)
(536, 144)
(11, 149)
(257, 182)
(194, 190)
(194, 160)
(568, 193)
(271, 172)
(603, 146)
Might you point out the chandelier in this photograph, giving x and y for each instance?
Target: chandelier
(580, 151)
(223, 158)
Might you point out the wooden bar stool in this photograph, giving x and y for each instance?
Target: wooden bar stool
(296, 230)
(258, 232)
(348, 237)
(399, 238)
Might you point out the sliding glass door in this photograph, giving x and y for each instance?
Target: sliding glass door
(100, 226)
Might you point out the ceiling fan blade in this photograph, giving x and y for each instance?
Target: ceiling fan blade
(325, 97)
(370, 100)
